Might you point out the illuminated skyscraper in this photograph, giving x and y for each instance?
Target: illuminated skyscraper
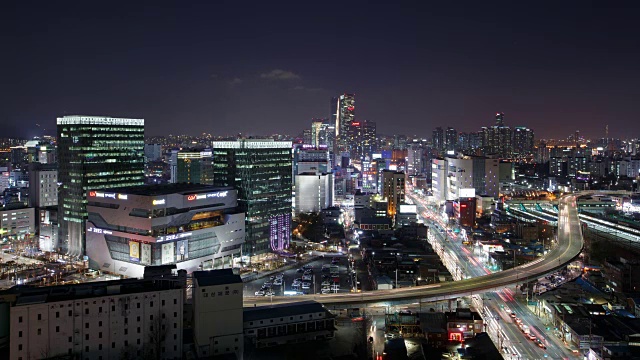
(522, 141)
(345, 113)
(260, 169)
(438, 139)
(94, 152)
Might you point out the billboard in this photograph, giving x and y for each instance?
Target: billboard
(182, 251)
(408, 208)
(467, 193)
(168, 251)
(134, 251)
(145, 254)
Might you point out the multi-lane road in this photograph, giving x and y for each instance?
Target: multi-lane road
(570, 244)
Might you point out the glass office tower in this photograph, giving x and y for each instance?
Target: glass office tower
(94, 152)
(260, 169)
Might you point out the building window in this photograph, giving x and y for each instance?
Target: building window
(175, 301)
(175, 314)
(70, 313)
(57, 329)
(86, 336)
(19, 347)
(138, 341)
(100, 335)
(39, 331)
(86, 311)
(113, 308)
(86, 348)
(138, 329)
(100, 348)
(150, 303)
(138, 305)
(86, 326)
(162, 302)
(113, 345)
(70, 339)
(57, 314)
(39, 316)
(126, 331)
(100, 309)
(99, 323)
(19, 333)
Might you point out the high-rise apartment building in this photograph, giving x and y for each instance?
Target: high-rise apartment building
(497, 139)
(345, 114)
(94, 152)
(393, 190)
(260, 169)
(522, 141)
(362, 139)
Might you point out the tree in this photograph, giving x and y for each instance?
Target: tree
(156, 337)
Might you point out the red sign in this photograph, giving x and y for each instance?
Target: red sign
(191, 197)
(355, 124)
(92, 193)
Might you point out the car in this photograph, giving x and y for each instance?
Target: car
(260, 293)
(306, 267)
(335, 287)
(513, 315)
(15, 257)
(280, 276)
(540, 344)
(325, 291)
(326, 283)
(272, 277)
(300, 270)
(306, 285)
(268, 283)
(277, 282)
(297, 280)
(269, 293)
(531, 336)
(306, 277)
(518, 321)
(308, 271)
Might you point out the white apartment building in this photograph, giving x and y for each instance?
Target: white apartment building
(217, 313)
(103, 320)
(17, 223)
(467, 172)
(43, 185)
(314, 192)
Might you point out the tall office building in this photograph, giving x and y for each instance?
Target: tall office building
(43, 185)
(497, 139)
(260, 169)
(451, 139)
(393, 190)
(193, 167)
(345, 113)
(438, 139)
(94, 152)
(500, 119)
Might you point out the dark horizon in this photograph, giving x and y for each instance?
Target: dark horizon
(225, 68)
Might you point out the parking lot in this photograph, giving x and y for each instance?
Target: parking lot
(315, 277)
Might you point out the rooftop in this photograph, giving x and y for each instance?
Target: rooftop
(216, 277)
(167, 189)
(282, 310)
(25, 294)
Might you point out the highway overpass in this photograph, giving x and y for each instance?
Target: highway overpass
(570, 243)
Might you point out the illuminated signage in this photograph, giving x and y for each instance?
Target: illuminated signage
(158, 202)
(99, 231)
(219, 194)
(467, 193)
(173, 237)
(122, 196)
(103, 195)
(355, 124)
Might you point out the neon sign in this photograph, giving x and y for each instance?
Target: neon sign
(219, 194)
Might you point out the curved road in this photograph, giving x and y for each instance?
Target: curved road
(570, 245)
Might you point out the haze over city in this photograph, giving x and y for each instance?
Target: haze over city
(262, 68)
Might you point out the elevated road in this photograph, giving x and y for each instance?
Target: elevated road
(570, 243)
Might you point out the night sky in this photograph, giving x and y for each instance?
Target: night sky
(268, 67)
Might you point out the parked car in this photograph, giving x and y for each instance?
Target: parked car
(260, 293)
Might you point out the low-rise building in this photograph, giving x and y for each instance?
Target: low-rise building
(267, 326)
(102, 320)
(17, 223)
(218, 313)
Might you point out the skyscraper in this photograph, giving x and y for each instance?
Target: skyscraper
(194, 167)
(260, 169)
(522, 141)
(500, 119)
(451, 139)
(345, 114)
(94, 152)
(438, 139)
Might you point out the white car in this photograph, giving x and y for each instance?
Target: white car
(280, 276)
(326, 283)
(325, 291)
(306, 277)
(269, 293)
(306, 285)
(277, 282)
(260, 293)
